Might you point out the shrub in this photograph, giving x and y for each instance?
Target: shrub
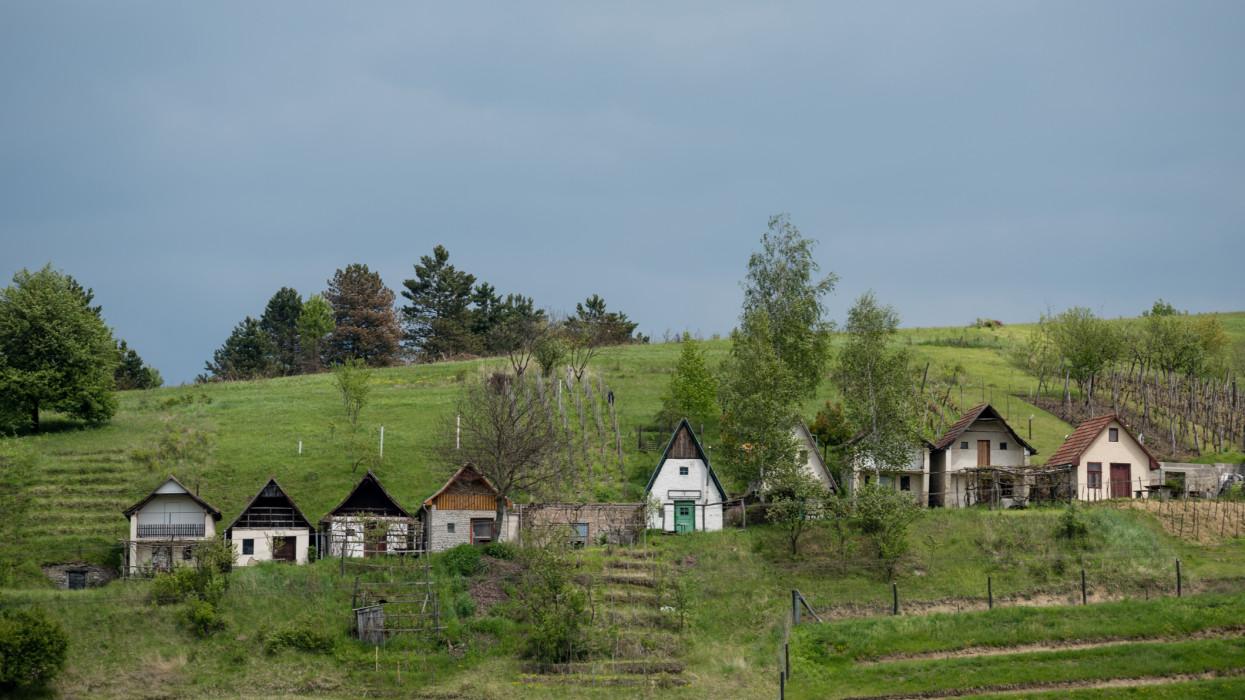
(202, 618)
(500, 550)
(302, 636)
(464, 607)
(32, 648)
(174, 586)
(884, 515)
(463, 560)
(1072, 525)
(554, 607)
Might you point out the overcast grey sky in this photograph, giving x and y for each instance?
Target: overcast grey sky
(960, 159)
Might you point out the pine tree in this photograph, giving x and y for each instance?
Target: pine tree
(55, 351)
(246, 354)
(365, 325)
(693, 390)
(438, 318)
(280, 322)
(132, 372)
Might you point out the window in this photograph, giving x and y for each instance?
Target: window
(481, 530)
(1113, 434)
(449, 527)
(579, 534)
(188, 553)
(905, 483)
(682, 471)
(1002, 445)
(964, 445)
(248, 546)
(1094, 475)
(1006, 487)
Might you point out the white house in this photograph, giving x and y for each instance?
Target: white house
(368, 523)
(973, 459)
(464, 511)
(166, 527)
(1106, 460)
(270, 528)
(683, 484)
(912, 477)
(814, 461)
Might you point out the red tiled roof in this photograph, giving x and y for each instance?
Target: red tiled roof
(981, 410)
(1075, 445)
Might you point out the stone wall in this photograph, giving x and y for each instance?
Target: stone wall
(58, 574)
(612, 523)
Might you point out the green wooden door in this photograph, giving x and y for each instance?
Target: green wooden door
(684, 516)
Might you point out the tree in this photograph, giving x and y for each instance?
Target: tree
(609, 327)
(796, 500)
(438, 318)
(1087, 344)
(759, 397)
(315, 323)
(280, 322)
(246, 354)
(879, 396)
(693, 390)
(509, 436)
(884, 516)
(33, 647)
(830, 426)
(132, 373)
(517, 331)
(364, 323)
(781, 282)
(354, 385)
(55, 351)
(1176, 343)
(549, 352)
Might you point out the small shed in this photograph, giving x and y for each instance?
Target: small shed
(1106, 460)
(368, 523)
(165, 529)
(270, 528)
(687, 493)
(464, 511)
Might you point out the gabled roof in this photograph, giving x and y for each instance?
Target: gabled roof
(467, 472)
(1069, 453)
(978, 412)
(272, 481)
(807, 436)
(185, 491)
(685, 428)
(368, 487)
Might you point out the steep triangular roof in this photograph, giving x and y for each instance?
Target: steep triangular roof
(980, 411)
(465, 473)
(272, 481)
(807, 436)
(368, 488)
(185, 491)
(1069, 453)
(684, 430)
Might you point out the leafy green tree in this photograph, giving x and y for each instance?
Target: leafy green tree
(246, 354)
(280, 322)
(33, 648)
(364, 323)
(1087, 344)
(517, 331)
(782, 282)
(132, 372)
(830, 426)
(797, 500)
(1176, 343)
(759, 397)
(55, 351)
(549, 352)
(438, 318)
(354, 386)
(607, 327)
(879, 396)
(693, 389)
(315, 323)
(884, 515)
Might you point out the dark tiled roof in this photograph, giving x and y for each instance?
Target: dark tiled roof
(1075, 445)
(981, 410)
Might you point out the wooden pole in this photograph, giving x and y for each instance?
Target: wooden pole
(894, 598)
(990, 592)
(1179, 585)
(1084, 591)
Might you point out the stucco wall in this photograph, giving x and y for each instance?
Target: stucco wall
(263, 544)
(396, 535)
(696, 480)
(1014, 456)
(1126, 451)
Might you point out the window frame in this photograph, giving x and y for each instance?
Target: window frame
(449, 528)
(905, 482)
(1002, 445)
(1091, 472)
(964, 444)
(491, 529)
(248, 546)
(1113, 434)
(685, 470)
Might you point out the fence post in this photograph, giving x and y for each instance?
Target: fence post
(795, 607)
(782, 685)
(990, 592)
(786, 657)
(1084, 593)
(894, 598)
(1178, 582)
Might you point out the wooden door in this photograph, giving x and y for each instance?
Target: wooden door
(1121, 480)
(684, 516)
(375, 540)
(983, 453)
(283, 549)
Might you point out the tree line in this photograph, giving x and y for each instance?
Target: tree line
(447, 314)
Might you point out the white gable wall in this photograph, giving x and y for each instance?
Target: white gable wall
(696, 486)
(1126, 451)
(263, 539)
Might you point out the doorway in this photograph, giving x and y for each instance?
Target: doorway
(1121, 480)
(684, 516)
(983, 453)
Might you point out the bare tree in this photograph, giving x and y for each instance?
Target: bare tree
(509, 436)
(583, 339)
(519, 335)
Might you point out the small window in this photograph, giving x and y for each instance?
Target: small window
(905, 483)
(1094, 475)
(1002, 445)
(1007, 487)
(449, 527)
(682, 471)
(1113, 434)
(482, 530)
(188, 553)
(579, 534)
(964, 445)
(248, 546)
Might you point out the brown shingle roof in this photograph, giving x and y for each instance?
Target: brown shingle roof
(1069, 453)
(981, 410)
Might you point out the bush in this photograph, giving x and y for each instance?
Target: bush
(32, 648)
(554, 607)
(500, 550)
(884, 515)
(305, 635)
(1072, 525)
(202, 618)
(464, 607)
(174, 586)
(207, 580)
(463, 560)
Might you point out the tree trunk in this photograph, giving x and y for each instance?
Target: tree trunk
(499, 524)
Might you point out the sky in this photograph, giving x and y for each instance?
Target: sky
(961, 160)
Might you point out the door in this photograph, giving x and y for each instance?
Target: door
(684, 516)
(77, 580)
(983, 453)
(283, 548)
(375, 539)
(1121, 480)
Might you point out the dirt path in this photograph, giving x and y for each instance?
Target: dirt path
(990, 691)
(1068, 645)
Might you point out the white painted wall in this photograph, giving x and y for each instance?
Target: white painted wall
(1014, 456)
(670, 486)
(395, 536)
(263, 544)
(917, 470)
